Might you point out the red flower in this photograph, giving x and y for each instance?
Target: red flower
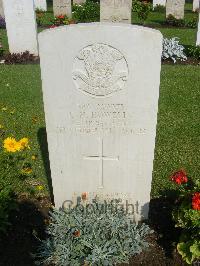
(61, 17)
(52, 26)
(196, 201)
(179, 177)
(77, 233)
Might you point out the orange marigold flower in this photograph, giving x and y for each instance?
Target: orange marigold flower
(179, 177)
(196, 201)
(61, 17)
(77, 233)
(84, 196)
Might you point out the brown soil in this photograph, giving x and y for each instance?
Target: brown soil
(189, 61)
(28, 226)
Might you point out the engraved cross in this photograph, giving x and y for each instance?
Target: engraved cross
(101, 157)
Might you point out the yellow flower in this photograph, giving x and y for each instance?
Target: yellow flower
(11, 145)
(27, 170)
(40, 187)
(1, 126)
(23, 143)
(33, 157)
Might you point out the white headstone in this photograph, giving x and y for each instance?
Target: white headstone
(159, 2)
(1, 9)
(175, 8)
(198, 33)
(115, 11)
(79, 2)
(101, 102)
(41, 4)
(196, 4)
(62, 7)
(21, 26)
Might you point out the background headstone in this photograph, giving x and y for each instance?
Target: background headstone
(62, 7)
(100, 111)
(1, 9)
(41, 4)
(198, 33)
(21, 26)
(79, 2)
(175, 8)
(115, 11)
(196, 4)
(159, 2)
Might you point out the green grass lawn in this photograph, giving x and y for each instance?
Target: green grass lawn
(178, 138)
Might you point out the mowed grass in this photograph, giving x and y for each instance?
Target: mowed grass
(178, 139)
(21, 115)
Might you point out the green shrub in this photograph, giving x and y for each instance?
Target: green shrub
(92, 236)
(142, 8)
(87, 12)
(186, 215)
(159, 8)
(172, 21)
(192, 23)
(193, 51)
(7, 204)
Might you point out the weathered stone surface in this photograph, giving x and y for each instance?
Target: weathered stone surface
(41, 4)
(62, 7)
(159, 2)
(21, 26)
(115, 11)
(196, 4)
(1, 9)
(175, 8)
(101, 101)
(79, 2)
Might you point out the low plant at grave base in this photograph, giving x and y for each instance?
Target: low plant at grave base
(60, 20)
(173, 50)
(40, 18)
(87, 12)
(96, 237)
(7, 204)
(193, 51)
(2, 23)
(20, 58)
(172, 21)
(159, 8)
(142, 8)
(186, 215)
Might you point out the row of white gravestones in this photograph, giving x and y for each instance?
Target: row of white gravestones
(62, 7)
(110, 10)
(196, 5)
(159, 3)
(175, 8)
(21, 26)
(101, 120)
(41, 4)
(1, 9)
(115, 11)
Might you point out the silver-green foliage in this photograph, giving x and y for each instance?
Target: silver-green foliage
(92, 237)
(173, 50)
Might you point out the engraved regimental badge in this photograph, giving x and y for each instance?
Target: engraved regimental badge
(100, 70)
